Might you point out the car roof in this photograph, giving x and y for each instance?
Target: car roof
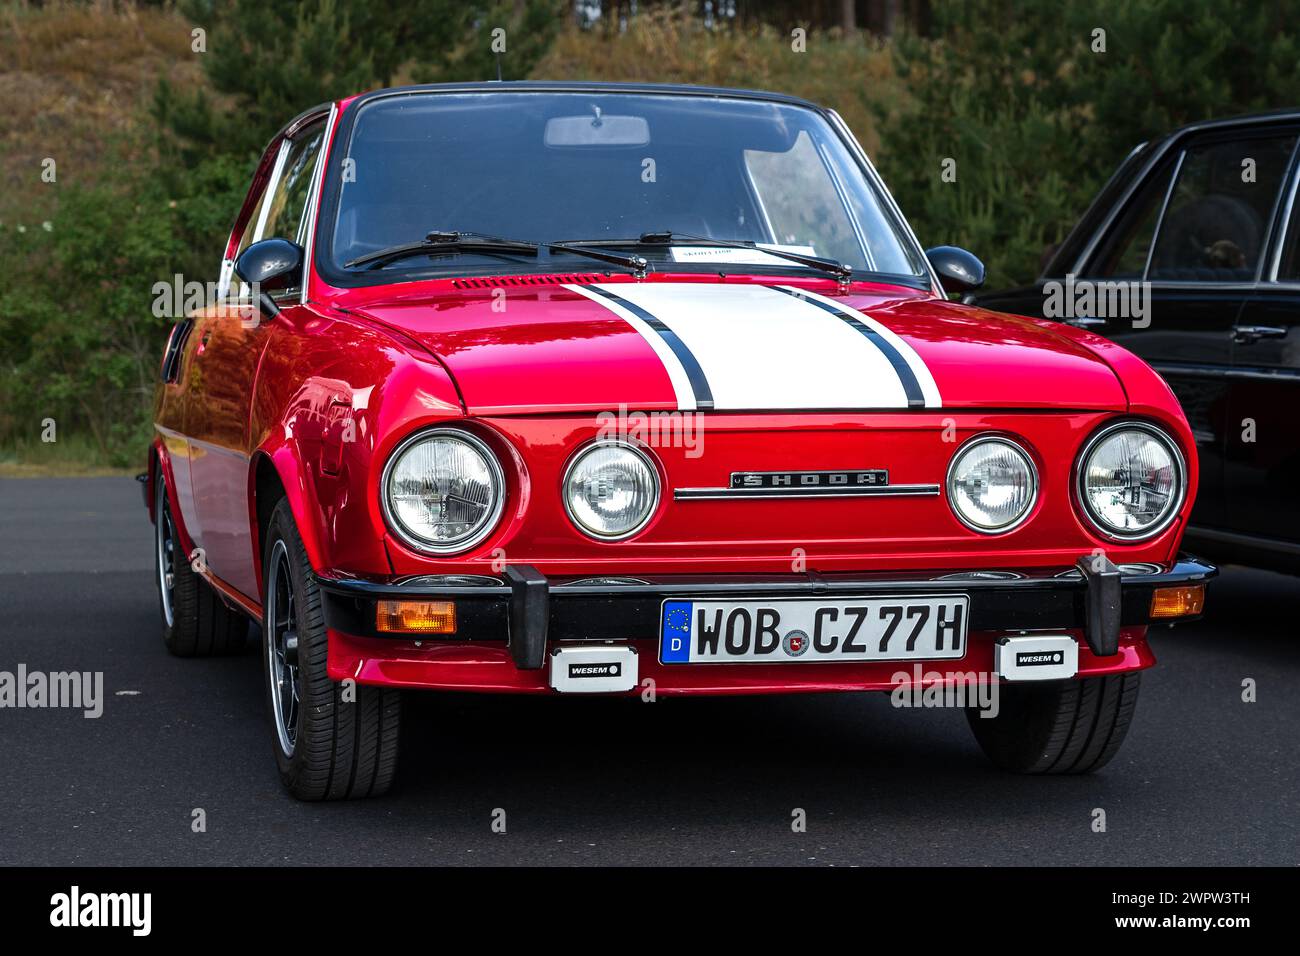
(577, 86)
(1284, 114)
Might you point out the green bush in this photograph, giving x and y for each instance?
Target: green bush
(1036, 117)
(79, 339)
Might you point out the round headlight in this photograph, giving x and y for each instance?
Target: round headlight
(992, 485)
(443, 491)
(611, 490)
(1131, 480)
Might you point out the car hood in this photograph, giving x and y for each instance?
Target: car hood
(535, 345)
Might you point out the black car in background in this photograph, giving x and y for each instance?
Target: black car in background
(1206, 221)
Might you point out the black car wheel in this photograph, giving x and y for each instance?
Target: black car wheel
(332, 740)
(196, 623)
(1072, 726)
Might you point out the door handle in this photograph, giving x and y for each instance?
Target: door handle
(1250, 334)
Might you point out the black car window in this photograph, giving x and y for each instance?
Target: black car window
(1124, 253)
(1216, 222)
(1288, 267)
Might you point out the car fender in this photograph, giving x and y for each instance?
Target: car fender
(329, 393)
(1150, 397)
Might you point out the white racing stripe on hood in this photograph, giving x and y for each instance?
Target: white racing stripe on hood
(762, 348)
(929, 389)
(677, 374)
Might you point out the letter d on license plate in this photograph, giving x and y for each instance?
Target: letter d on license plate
(798, 630)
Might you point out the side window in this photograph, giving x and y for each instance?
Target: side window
(289, 199)
(230, 284)
(247, 239)
(1123, 254)
(1288, 268)
(1216, 223)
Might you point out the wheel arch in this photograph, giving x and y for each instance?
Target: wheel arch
(160, 469)
(275, 473)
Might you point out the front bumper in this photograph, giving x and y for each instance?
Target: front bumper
(505, 625)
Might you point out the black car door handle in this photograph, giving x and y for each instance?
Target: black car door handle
(1250, 334)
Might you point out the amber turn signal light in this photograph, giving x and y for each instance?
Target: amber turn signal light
(1181, 601)
(415, 617)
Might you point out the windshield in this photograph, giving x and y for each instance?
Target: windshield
(604, 167)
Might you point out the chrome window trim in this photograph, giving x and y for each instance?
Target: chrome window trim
(271, 182)
(227, 274)
(1160, 218)
(1272, 225)
(1284, 226)
(272, 185)
(313, 201)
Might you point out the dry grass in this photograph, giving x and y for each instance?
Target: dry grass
(61, 470)
(77, 75)
(72, 456)
(664, 47)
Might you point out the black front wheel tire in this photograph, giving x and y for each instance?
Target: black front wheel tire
(333, 741)
(1071, 726)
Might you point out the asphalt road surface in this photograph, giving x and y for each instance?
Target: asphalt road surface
(1204, 778)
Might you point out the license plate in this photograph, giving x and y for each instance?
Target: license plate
(798, 630)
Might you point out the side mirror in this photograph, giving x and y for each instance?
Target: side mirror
(958, 270)
(270, 265)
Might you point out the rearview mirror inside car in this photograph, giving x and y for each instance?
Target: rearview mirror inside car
(597, 130)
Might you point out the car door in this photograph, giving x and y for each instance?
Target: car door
(230, 337)
(1264, 448)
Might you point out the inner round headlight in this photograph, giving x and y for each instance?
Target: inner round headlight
(443, 491)
(992, 485)
(611, 490)
(1131, 480)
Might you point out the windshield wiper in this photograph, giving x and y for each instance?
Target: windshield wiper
(839, 269)
(439, 243)
(636, 263)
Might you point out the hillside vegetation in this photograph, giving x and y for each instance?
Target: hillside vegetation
(1029, 103)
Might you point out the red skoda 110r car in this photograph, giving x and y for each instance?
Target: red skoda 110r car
(572, 388)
